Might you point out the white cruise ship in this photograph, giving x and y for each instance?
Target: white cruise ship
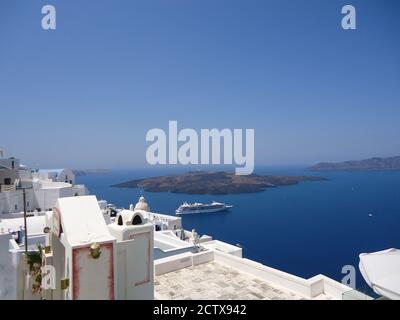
(193, 208)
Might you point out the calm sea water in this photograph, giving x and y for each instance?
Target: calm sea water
(307, 229)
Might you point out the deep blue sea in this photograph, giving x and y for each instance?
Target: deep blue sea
(306, 229)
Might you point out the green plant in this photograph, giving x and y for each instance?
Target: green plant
(34, 258)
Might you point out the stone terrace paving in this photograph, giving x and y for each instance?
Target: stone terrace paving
(214, 281)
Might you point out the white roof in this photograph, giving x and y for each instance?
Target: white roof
(381, 270)
(127, 215)
(55, 185)
(82, 220)
(35, 225)
(58, 171)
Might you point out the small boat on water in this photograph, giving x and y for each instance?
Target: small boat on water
(194, 208)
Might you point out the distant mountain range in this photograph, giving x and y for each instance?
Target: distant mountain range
(391, 163)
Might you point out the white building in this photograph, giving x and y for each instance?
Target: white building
(55, 175)
(90, 259)
(44, 187)
(9, 172)
(135, 259)
(11, 253)
(94, 260)
(82, 251)
(160, 221)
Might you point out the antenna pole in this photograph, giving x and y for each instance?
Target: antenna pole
(25, 224)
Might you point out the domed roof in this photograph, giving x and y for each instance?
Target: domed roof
(127, 217)
(142, 205)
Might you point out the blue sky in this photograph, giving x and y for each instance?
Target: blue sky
(85, 95)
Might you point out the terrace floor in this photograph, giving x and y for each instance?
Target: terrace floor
(214, 281)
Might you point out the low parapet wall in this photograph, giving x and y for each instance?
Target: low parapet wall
(309, 288)
(181, 261)
(223, 247)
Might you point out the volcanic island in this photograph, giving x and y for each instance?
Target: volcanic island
(220, 182)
